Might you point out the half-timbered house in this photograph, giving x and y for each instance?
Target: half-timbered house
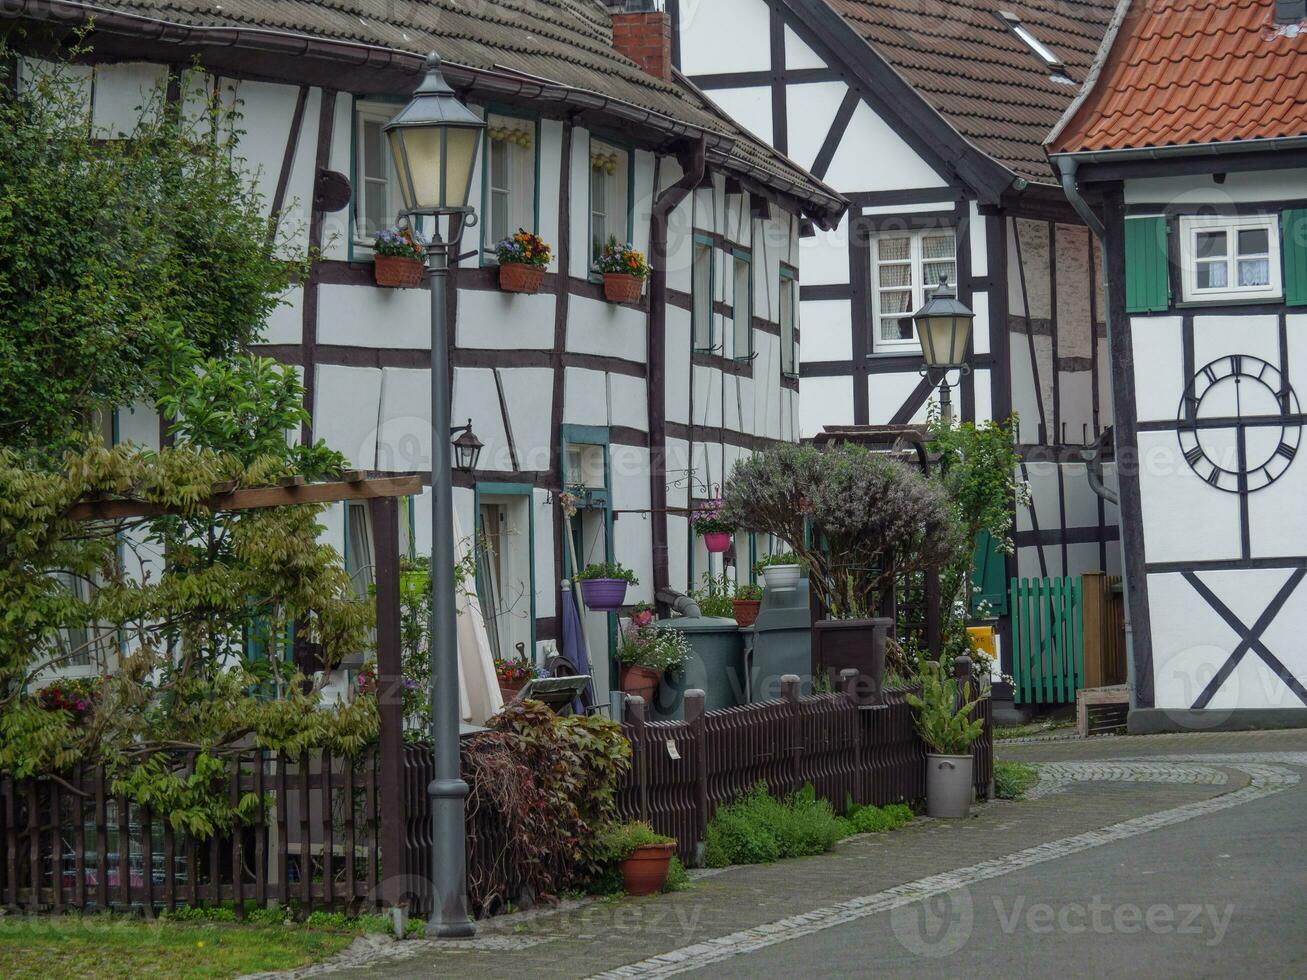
(1186, 153)
(929, 117)
(646, 405)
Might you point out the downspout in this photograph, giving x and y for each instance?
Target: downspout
(1067, 168)
(695, 165)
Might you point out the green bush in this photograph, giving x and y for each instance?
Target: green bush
(1012, 779)
(759, 829)
(878, 819)
(618, 840)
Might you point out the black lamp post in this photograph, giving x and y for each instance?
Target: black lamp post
(944, 327)
(467, 448)
(434, 141)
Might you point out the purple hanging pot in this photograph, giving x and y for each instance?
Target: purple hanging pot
(603, 594)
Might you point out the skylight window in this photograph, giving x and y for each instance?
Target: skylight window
(1041, 50)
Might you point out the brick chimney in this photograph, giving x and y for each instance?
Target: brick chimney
(643, 33)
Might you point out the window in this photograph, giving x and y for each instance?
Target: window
(376, 196)
(610, 204)
(789, 297)
(360, 565)
(742, 304)
(510, 192)
(908, 265)
(1041, 51)
(1230, 258)
(702, 286)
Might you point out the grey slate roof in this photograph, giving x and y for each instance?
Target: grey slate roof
(564, 41)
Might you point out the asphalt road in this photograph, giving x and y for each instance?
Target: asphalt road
(1223, 895)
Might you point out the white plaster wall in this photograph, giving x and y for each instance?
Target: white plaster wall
(596, 327)
(120, 94)
(873, 157)
(550, 157)
(1158, 342)
(579, 258)
(352, 431)
(547, 588)
(798, 54)
(705, 27)
(528, 394)
(810, 109)
(628, 402)
(886, 394)
(370, 316)
(678, 365)
(585, 396)
(337, 227)
(825, 401)
(492, 320)
(477, 398)
(1277, 185)
(139, 424)
(1177, 502)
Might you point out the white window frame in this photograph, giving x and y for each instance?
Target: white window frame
(515, 183)
(917, 262)
(365, 112)
(1191, 225)
(789, 321)
(741, 326)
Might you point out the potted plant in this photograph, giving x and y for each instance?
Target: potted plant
(624, 270)
(603, 585)
(780, 572)
(399, 258)
(714, 596)
(646, 653)
(708, 524)
(643, 856)
(523, 258)
(745, 603)
(513, 675)
(943, 720)
(79, 696)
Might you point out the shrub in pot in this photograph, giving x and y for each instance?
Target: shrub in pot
(646, 653)
(943, 720)
(746, 603)
(523, 258)
(714, 596)
(604, 584)
(643, 856)
(399, 258)
(624, 271)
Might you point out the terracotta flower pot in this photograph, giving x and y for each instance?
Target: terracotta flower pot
(620, 288)
(717, 542)
(644, 872)
(603, 594)
(395, 270)
(746, 611)
(517, 277)
(639, 681)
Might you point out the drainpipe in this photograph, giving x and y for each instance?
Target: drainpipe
(1067, 168)
(695, 165)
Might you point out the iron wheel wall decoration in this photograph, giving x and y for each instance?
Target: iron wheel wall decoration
(1240, 424)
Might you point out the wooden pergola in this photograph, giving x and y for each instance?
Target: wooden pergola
(383, 495)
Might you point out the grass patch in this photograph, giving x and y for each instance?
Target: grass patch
(878, 819)
(1013, 779)
(112, 947)
(1027, 731)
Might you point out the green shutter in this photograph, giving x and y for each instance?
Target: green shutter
(989, 576)
(1147, 283)
(1293, 235)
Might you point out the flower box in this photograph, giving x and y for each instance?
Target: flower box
(515, 277)
(620, 288)
(401, 273)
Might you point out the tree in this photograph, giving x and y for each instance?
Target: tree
(119, 257)
(857, 519)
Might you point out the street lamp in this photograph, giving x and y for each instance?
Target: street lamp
(944, 327)
(434, 141)
(467, 448)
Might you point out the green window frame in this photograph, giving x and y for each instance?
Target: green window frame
(1293, 252)
(742, 325)
(702, 292)
(596, 246)
(487, 237)
(787, 297)
(1147, 269)
(511, 490)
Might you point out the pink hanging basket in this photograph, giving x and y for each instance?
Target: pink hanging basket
(717, 542)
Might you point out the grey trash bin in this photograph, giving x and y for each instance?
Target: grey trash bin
(715, 667)
(779, 643)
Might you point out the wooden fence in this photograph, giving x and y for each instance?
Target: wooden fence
(1104, 621)
(318, 838)
(683, 770)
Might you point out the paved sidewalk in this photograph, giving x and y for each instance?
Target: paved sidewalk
(895, 902)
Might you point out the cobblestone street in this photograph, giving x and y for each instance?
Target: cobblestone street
(1162, 840)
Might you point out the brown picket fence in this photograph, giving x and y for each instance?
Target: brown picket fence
(316, 837)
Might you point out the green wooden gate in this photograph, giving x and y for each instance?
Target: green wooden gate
(1048, 639)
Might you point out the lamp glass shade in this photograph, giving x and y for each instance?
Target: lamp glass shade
(434, 165)
(944, 327)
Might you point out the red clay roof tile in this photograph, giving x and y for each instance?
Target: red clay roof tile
(1184, 72)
